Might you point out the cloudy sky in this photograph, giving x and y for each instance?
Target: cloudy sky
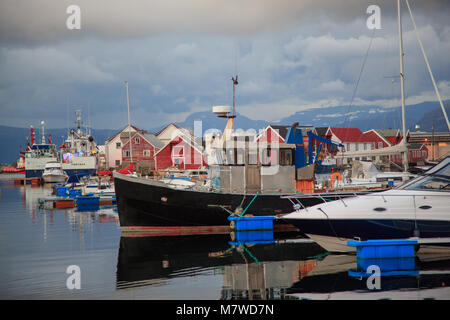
(179, 55)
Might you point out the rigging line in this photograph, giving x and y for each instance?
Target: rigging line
(428, 66)
(359, 78)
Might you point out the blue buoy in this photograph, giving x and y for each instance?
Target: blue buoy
(252, 223)
(389, 248)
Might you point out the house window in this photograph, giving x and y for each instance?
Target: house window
(118, 145)
(137, 140)
(285, 157)
(177, 155)
(380, 145)
(117, 163)
(146, 153)
(126, 153)
(178, 151)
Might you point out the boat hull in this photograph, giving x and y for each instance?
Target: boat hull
(52, 178)
(372, 229)
(393, 214)
(73, 172)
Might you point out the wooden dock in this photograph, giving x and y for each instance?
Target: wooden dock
(19, 178)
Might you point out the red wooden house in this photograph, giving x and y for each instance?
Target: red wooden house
(144, 147)
(272, 134)
(417, 153)
(182, 152)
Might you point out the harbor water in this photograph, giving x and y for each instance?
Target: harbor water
(39, 245)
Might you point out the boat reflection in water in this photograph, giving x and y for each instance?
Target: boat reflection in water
(249, 270)
(288, 267)
(344, 277)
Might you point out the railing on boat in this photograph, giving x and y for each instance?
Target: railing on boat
(294, 199)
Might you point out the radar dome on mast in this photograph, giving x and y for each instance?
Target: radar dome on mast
(222, 111)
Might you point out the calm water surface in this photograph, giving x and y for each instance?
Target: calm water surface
(37, 246)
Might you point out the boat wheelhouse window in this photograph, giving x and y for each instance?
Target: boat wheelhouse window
(229, 156)
(439, 180)
(431, 182)
(267, 157)
(285, 157)
(240, 156)
(252, 157)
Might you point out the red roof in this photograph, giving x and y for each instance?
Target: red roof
(347, 134)
(370, 136)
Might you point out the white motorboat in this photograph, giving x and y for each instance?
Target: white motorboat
(416, 209)
(53, 173)
(98, 186)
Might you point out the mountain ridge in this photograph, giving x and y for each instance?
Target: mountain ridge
(425, 114)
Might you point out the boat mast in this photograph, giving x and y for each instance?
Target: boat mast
(129, 124)
(43, 136)
(402, 87)
(428, 66)
(235, 83)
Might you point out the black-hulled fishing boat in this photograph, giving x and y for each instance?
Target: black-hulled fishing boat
(249, 178)
(148, 204)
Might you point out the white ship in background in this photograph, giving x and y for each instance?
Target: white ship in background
(79, 152)
(39, 154)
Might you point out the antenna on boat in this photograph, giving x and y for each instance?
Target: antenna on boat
(129, 124)
(43, 136)
(225, 112)
(235, 83)
(78, 113)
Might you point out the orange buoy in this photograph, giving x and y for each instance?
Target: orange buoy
(335, 177)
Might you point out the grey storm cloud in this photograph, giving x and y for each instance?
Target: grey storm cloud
(178, 57)
(44, 20)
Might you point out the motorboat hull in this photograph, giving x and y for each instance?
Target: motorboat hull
(54, 178)
(144, 203)
(394, 214)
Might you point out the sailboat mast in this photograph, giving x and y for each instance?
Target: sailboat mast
(129, 124)
(402, 85)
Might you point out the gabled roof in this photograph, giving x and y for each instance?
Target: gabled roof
(153, 140)
(388, 132)
(416, 146)
(370, 133)
(126, 134)
(321, 131)
(346, 134)
(188, 139)
(281, 131)
(150, 138)
(120, 131)
(166, 127)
